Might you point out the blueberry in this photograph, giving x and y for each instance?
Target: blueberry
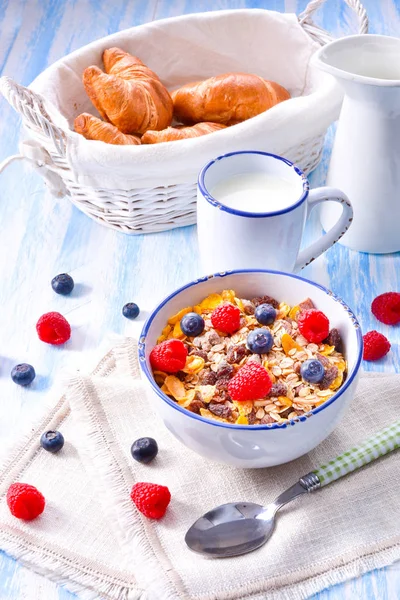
(23, 374)
(131, 310)
(260, 341)
(144, 449)
(312, 370)
(52, 441)
(265, 314)
(192, 324)
(62, 284)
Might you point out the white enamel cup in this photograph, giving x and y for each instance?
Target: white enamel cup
(231, 239)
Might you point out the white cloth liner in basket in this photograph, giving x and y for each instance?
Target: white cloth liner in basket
(139, 189)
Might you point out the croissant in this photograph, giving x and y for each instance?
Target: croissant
(93, 128)
(128, 94)
(180, 133)
(226, 99)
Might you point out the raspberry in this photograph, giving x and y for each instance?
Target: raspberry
(25, 501)
(169, 356)
(386, 308)
(251, 382)
(313, 325)
(151, 499)
(226, 318)
(53, 328)
(376, 346)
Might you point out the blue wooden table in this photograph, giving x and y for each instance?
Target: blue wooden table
(41, 237)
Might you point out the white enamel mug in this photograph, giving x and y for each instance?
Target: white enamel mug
(231, 239)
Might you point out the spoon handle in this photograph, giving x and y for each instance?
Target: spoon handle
(378, 445)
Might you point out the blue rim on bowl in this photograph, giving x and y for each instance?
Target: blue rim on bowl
(242, 213)
(147, 372)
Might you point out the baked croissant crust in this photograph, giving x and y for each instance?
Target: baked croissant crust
(180, 133)
(227, 99)
(128, 94)
(93, 128)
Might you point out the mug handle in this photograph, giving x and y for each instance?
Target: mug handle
(318, 196)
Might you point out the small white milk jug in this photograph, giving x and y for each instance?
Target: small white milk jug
(365, 160)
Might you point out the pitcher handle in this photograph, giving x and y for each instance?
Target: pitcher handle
(315, 197)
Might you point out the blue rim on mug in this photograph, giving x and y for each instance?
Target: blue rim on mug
(302, 418)
(243, 213)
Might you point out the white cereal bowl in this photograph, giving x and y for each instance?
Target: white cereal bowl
(255, 446)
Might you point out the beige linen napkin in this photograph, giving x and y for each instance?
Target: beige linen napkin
(97, 539)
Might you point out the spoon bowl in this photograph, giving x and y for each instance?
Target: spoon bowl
(240, 527)
(231, 529)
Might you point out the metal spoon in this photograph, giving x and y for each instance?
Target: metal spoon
(240, 527)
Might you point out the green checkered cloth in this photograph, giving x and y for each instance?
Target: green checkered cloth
(385, 441)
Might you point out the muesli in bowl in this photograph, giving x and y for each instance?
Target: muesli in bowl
(249, 361)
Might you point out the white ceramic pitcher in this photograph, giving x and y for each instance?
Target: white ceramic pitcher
(365, 160)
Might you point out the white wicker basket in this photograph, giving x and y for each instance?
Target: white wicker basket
(138, 209)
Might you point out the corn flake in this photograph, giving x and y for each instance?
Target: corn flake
(160, 373)
(242, 420)
(160, 339)
(327, 350)
(175, 387)
(207, 392)
(271, 375)
(322, 401)
(288, 343)
(167, 330)
(159, 376)
(194, 364)
(285, 401)
(188, 399)
(177, 332)
(251, 321)
(228, 296)
(337, 382)
(239, 304)
(211, 302)
(244, 408)
(294, 312)
(176, 318)
(284, 310)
